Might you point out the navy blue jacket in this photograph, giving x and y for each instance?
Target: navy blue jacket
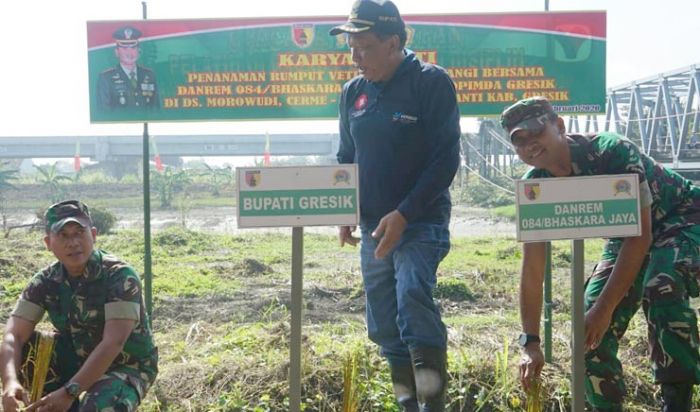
(404, 135)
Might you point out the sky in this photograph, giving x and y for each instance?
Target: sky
(44, 59)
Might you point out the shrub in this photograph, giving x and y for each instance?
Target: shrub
(102, 219)
(453, 289)
(482, 194)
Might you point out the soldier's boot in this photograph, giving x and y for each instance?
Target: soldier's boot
(430, 371)
(404, 387)
(677, 397)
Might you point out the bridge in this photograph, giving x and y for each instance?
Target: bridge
(660, 113)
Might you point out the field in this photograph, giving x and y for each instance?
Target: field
(221, 321)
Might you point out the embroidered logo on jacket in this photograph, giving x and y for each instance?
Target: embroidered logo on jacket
(404, 118)
(361, 102)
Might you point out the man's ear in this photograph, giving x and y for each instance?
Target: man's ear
(560, 125)
(395, 43)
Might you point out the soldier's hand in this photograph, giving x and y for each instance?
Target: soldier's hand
(345, 236)
(531, 364)
(389, 229)
(56, 401)
(597, 322)
(14, 397)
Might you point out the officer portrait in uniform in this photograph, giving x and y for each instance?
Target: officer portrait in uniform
(127, 85)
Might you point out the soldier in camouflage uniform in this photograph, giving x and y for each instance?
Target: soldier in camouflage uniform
(127, 85)
(658, 270)
(103, 345)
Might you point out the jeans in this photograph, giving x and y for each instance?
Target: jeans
(400, 310)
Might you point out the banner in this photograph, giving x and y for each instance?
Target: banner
(290, 68)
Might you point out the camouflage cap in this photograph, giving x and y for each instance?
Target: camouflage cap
(127, 36)
(57, 215)
(527, 114)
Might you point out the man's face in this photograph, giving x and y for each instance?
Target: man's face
(72, 246)
(539, 148)
(372, 56)
(127, 55)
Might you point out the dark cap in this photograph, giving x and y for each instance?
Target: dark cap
(381, 16)
(527, 114)
(59, 214)
(127, 36)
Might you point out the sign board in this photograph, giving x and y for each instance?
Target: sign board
(290, 68)
(297, 196)
(578, 207)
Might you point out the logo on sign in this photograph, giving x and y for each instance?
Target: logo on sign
(252, 178)
(623, 186)
(532, 190)
(303, 34)
(341, 176)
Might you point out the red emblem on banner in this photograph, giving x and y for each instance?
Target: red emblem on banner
(303, 34)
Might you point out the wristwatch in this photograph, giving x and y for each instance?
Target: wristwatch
(525, 339)
(72, 389)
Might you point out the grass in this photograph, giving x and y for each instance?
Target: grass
(221, 321)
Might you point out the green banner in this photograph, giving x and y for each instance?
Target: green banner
(290, 68)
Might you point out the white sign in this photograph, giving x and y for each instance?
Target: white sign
(297, 196)
(578, 207)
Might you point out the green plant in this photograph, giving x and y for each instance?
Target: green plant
(184, 205)
(168, 183)
(489, 193)
(453, 289)
(350, 384)
(219, 178)
(6, 176)
(102, 219)
(49, 177)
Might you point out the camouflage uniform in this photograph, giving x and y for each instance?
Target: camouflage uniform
(668, 277)
(78, 309)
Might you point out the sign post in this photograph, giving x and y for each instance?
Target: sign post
(577, 208)
(297, 197)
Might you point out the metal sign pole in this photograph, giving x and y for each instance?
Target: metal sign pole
(295, 339)
(548, 304)
(147, 274)
(578, 366)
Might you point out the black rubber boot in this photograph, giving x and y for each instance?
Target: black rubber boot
(430, 372)
(677, 397)
(404, 387)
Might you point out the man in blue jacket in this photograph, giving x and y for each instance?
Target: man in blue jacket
(399, 121)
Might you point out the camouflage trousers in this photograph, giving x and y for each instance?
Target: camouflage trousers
(112, 392)
(669, 276)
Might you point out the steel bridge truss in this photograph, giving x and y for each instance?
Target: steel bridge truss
(660, 113)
